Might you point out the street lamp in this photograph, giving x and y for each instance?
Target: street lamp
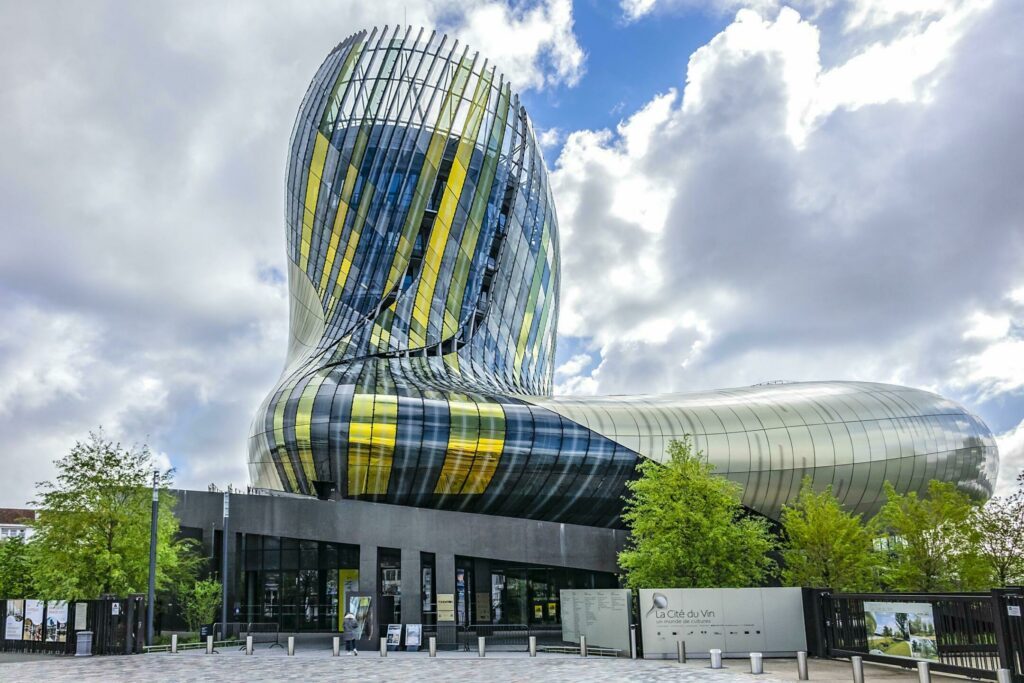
(152, 557)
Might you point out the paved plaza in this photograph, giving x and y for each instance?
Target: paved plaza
(274, 665)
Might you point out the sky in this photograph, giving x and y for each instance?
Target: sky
(747, 191)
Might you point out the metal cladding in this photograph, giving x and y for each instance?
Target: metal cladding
(423, 272)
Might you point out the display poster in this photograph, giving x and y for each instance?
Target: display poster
(57, 621)
(15, 615)
(413, 636)
(428, 583)
(394, 636)
(603, 616)
(446, 607)
(736, 621)
(901, 629)
(538, 611)
(81, 616)
(34, 626)
(359, 606)
(483, 607)
(348, 583)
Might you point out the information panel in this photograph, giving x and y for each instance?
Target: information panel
(901, 629)
(600, 615)
(735, 620)
(446, 607)
(15, 617)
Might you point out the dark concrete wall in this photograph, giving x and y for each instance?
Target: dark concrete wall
(373, 525)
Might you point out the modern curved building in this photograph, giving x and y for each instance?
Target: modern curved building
(424, 272)
(416, 398)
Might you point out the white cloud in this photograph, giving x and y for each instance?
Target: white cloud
(829, 199)
(1011, 455)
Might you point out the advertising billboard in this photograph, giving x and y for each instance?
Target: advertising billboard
(901, 629)
(736, 621)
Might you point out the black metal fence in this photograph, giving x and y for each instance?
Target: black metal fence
(262, 632)
(500, 637)
(969, 634)
(116, 625)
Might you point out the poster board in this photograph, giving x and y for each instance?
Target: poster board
(445, 607)
(413, 636)
(394, 636)
(737, 621)
(15, 616)
(603, 616)
(33, 623)
(362, 608)
(81, 616)
(901, 629)
(56, 621)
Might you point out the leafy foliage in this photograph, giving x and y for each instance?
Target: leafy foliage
(1000, 526)
(825, 546)
(200, 602)
(689, 530)
(93, 524)
(15, 569)
(933, 544)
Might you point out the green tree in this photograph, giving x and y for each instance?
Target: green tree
(825, 546)
(200, 602)
(92, 524)
(932, 542)
(688, 528)
(1000, 527)
(15, 570)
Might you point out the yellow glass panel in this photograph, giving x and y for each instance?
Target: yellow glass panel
(316, 169)
(462, 441)
(303, 419)
(489, 447)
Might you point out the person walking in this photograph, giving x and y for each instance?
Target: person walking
(349, 628)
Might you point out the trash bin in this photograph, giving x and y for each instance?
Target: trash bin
(83, 644)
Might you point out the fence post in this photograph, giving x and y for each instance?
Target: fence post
(291, 646)
(432, 643)
(801, 666)
(857, 663)
(335, 646)
(583, 646)
(248, 645)
(174, 643)
(533, 646)
(999, 616)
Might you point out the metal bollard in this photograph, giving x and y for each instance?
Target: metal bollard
(924, 672)
(533, 646)
(857, 663)
(583, 646)
(756, 663)
(209, 645)
(1004, 676)
(291, 646)
(632, 642)
(716, 658)
(801, 665)
(335, 646)
(433, 646)
(248, 645)
(681, 651)
(174, 643)
(383, 647)
(481, 646)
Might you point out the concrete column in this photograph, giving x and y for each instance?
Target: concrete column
(368, 580)
(444, 568)
(412, 597)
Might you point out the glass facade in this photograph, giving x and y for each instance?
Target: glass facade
(423, 256)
